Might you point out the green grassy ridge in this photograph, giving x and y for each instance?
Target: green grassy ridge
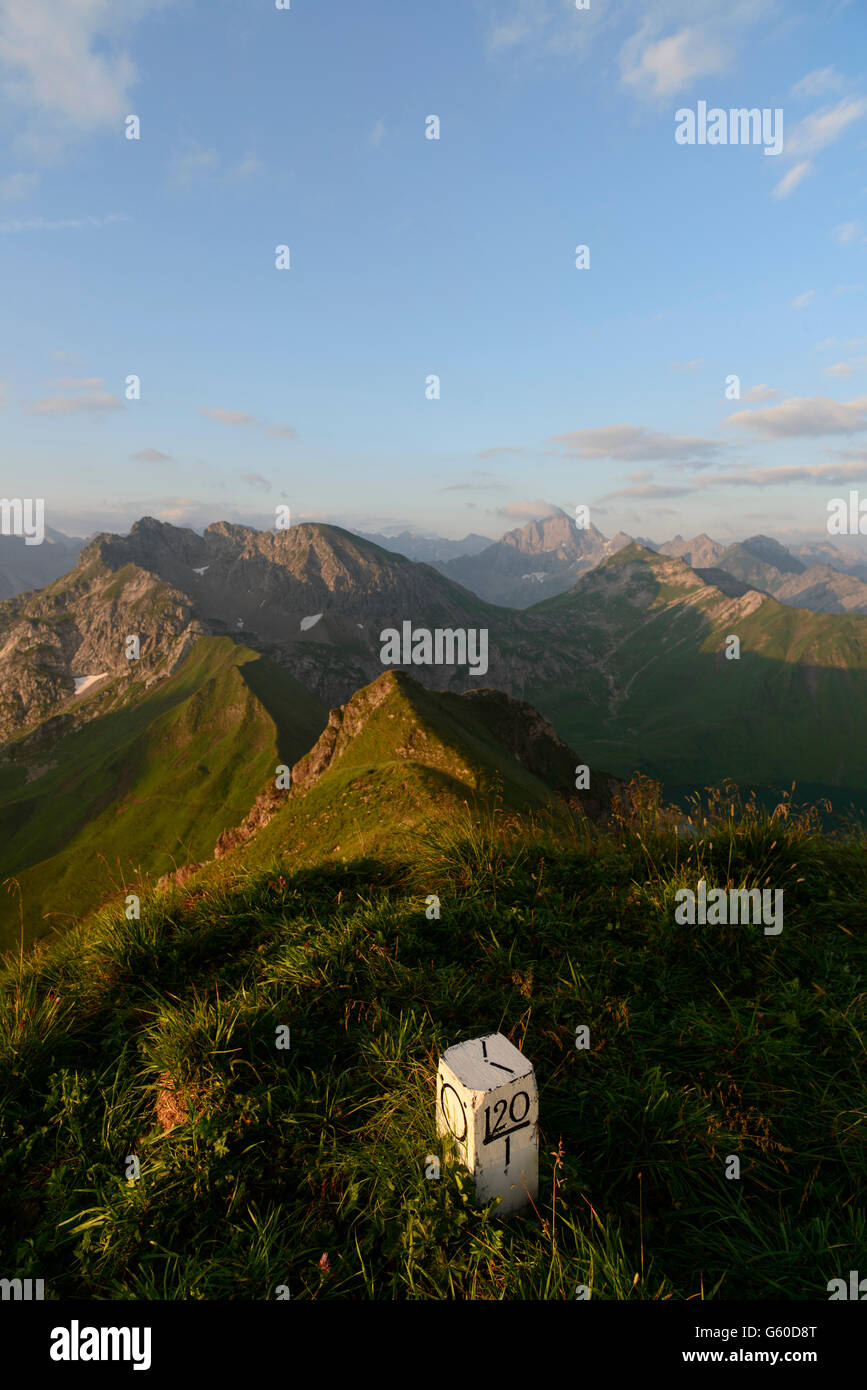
(704, 1042)
(414, 757)
(149, 785)
(466, 737)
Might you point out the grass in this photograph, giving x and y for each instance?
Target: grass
(147, 786)
(305, 1167)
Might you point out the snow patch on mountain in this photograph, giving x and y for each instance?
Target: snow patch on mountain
(83, 683)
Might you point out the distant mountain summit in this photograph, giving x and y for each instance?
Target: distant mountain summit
(314, 598)
(769, 566)
(24, 566)
(534, 561)
(700, 552)
(427, 549)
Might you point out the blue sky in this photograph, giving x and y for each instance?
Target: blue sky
(411, 257)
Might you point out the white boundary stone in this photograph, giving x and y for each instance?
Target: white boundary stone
(488, 1103)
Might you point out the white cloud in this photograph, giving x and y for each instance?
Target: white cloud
(152, 456)
(691, 366)
(247, 168)
(817, 83)
(824, 127)
(761, 393)
(795, 473)
(632, 442)
(846, 231)
(550, 25)
(501, 449)
(377, 133)
(664, 67)
(15, 187)
(804, 416)
(802, 300)
(789, 182)
(814, 133)
(42, 224)
(851, 344)
(195, 161)
(256, 480)
(826, 473)
(93, 402)
(843, 370)
(529, 511)
(65, 67)
(227, 417)
(239, 417)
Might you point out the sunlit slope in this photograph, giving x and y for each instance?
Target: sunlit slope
(658, 692)
(397, 757)
(146, 787)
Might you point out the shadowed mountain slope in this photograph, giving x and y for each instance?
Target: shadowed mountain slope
(144, 786)
(655, 690)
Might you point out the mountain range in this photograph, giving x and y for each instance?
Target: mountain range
(24, 566)
(545, 558)
(150, 694)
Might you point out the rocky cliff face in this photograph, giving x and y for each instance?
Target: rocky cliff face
(314, 598)
(55, 639)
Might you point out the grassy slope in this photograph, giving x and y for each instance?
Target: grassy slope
(419, 757)
(764, 719)
(148, 786)
(704, 1042)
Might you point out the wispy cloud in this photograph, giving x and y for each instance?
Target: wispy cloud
(829, 474)
(257, 481)
(815, 133)
(480, 482)
(817, 83)
(501, 449)
(43, 224)
(843, 370)
(802, 300)
(663, 67)
(242, 419)
(789, 182)
(846, 232)
(227, 417)
(92, 402)
(804, 416)
(15, 187)
(761, 393)
(247, 168)
(377, 134)
(632, 442)
(196, 162)
(691, 366)
(151, 456)
(850, 344)
(529, 511)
